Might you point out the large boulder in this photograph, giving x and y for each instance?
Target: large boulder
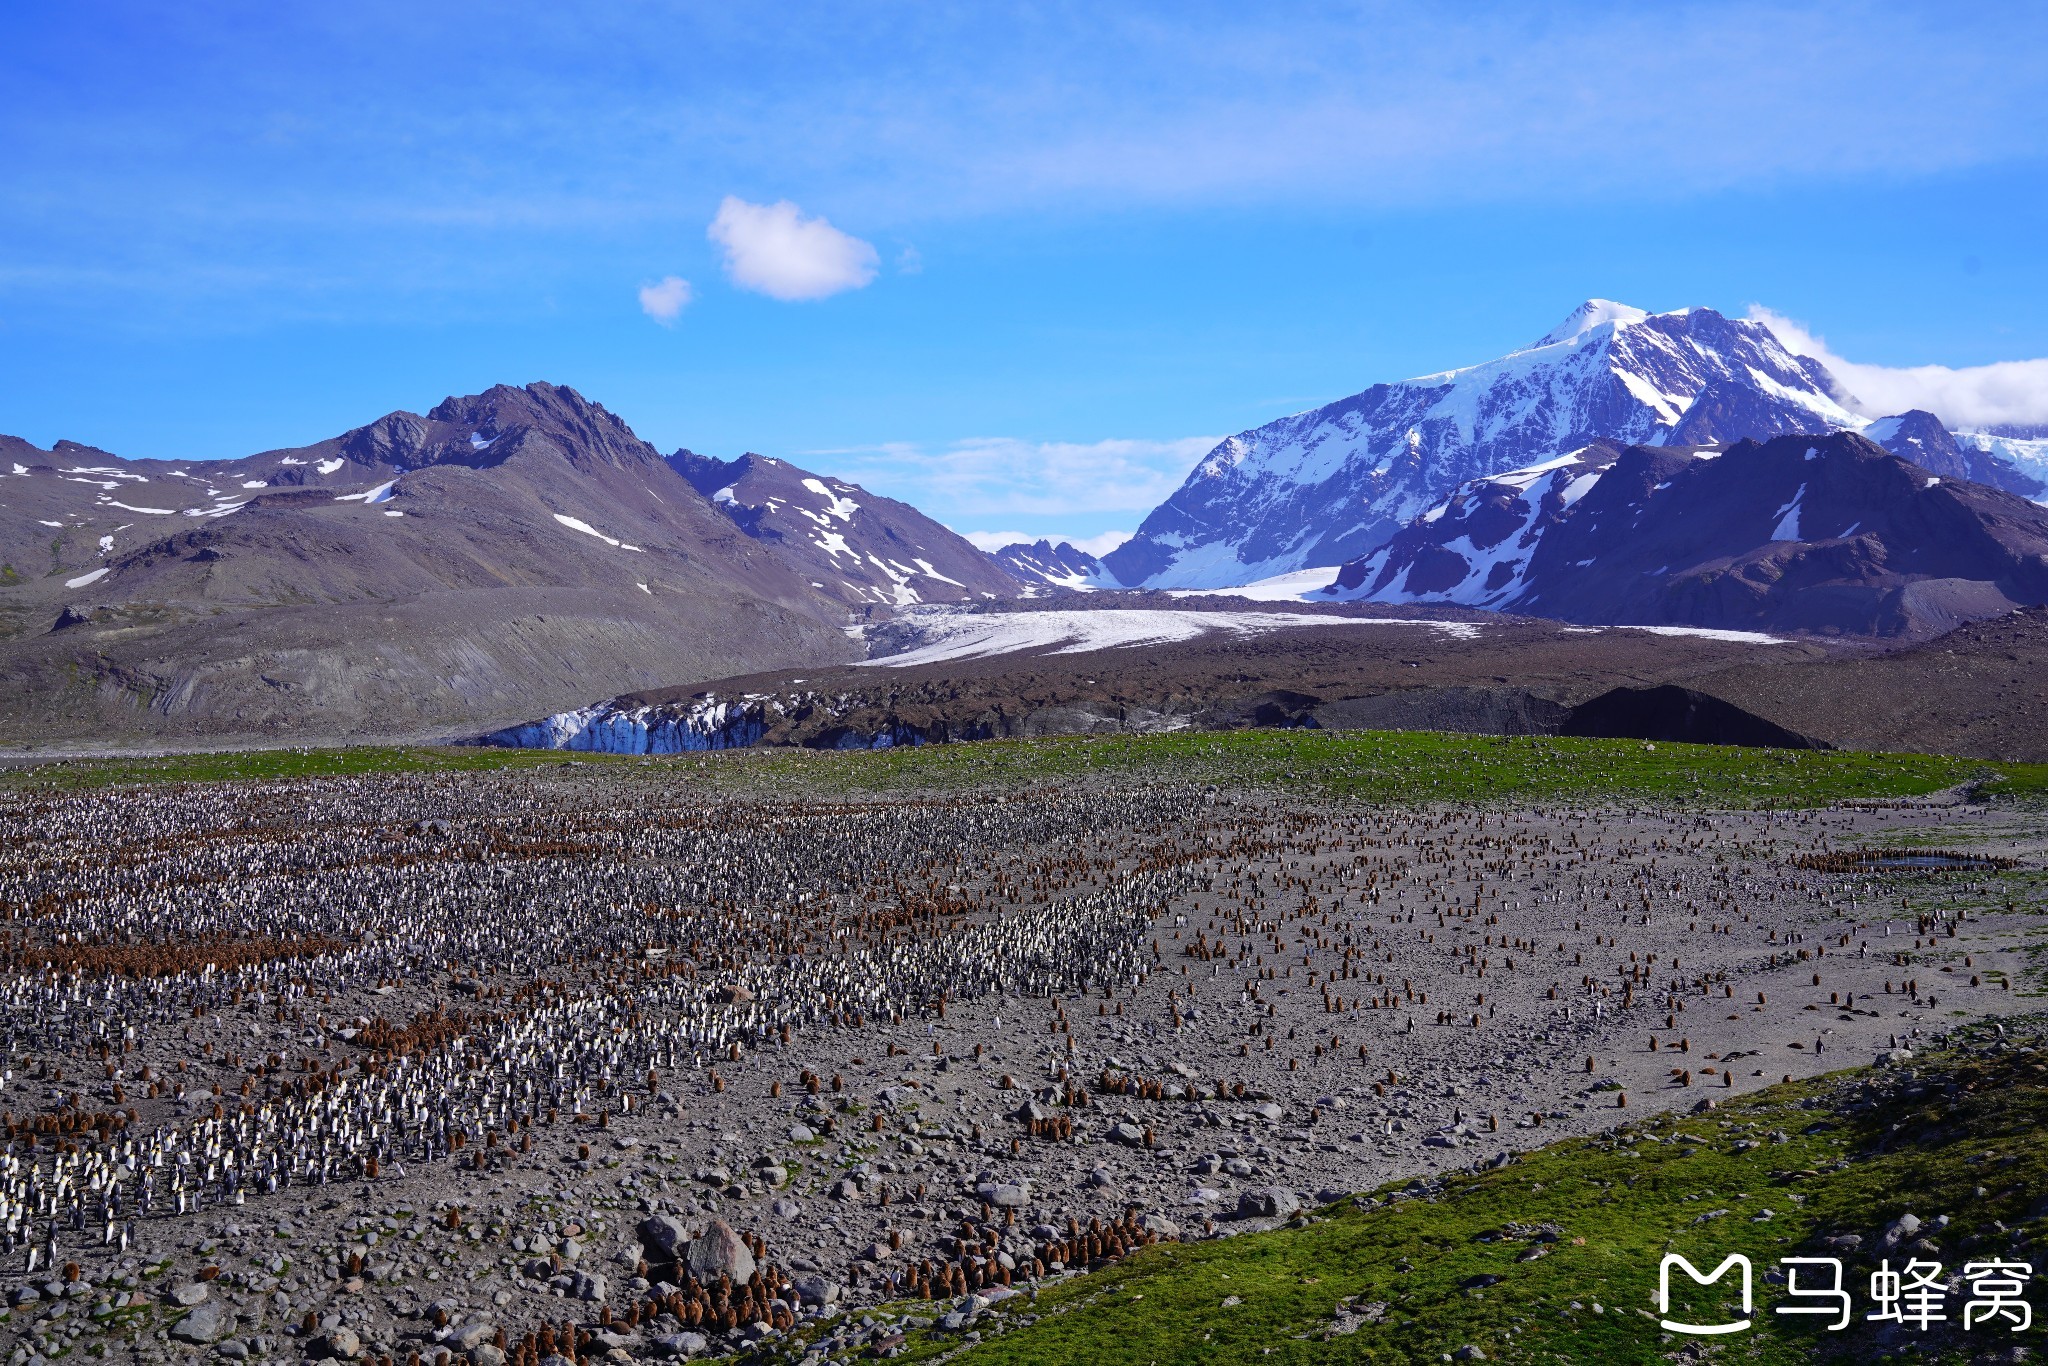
(662, 1234)
(1005, 1194)
(343, 1344)
(815, 1289)
(469, 1335)
(1268, 1202)
(720, 1251)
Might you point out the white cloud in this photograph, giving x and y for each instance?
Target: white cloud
(2007, 391)
(773, 249)
(665, 299)
(983, 479)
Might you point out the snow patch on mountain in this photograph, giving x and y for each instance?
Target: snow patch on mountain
(578, 524)
(1787, 528)
(836, 504)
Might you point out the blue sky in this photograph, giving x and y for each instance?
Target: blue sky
(1061, 246)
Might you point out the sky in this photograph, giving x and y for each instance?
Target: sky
(1020, 265)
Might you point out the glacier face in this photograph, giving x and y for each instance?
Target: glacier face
(617, 727)
(1326, 486)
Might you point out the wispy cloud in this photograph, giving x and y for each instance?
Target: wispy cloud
(773, 249)
(665, 299)
(983, 479)
(2011, 391)
(328, 149)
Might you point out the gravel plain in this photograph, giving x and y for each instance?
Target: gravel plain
(555, 1064)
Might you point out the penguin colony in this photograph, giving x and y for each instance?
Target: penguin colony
(531, 1066)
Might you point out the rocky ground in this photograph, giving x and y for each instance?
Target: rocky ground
(551, 1064)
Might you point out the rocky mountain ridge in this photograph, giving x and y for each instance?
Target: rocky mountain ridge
(508, 548)
(1043, 564)
(1827, 535)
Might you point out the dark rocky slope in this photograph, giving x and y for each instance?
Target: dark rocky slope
(1828, 535)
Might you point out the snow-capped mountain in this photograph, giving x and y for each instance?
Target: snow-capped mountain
(1041, 563)
(858, 547)
(1327, 486)
(1828, 534)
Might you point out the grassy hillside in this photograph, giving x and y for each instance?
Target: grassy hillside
(1555, 1256)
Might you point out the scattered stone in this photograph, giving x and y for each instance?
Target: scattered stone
(1268, 1202)
(681, 1344)
(203, 1325)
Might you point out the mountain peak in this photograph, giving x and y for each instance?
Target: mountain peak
(1042, 563)
(1589, 315)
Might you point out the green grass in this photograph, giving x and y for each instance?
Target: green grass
(1421, 766)
(1375, 766)
(1839, 1154)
